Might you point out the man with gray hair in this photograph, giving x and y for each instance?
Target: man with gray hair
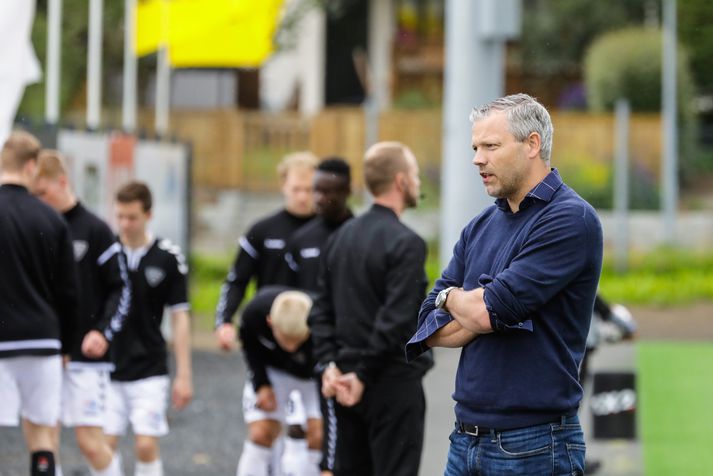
(517, 298)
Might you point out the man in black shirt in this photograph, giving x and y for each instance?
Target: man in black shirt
(275, 338)
(39, 304)
(104, 304)
(262, 250)
(332, 187)
(139, 383)
(372, 282)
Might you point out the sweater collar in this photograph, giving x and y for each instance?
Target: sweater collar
(543, 191)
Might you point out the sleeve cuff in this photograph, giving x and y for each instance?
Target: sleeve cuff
(433, 321)
(497, 323)
(183, 306)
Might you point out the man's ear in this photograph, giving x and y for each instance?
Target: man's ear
(534, 142)
(401, 181)
(269, 321)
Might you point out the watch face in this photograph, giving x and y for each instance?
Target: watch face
(440, 298)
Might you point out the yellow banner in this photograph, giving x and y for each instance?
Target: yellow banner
(209, 33)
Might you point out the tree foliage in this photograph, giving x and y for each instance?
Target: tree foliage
(695, 28)
(75, 30)
(627, 64)
(556, 33)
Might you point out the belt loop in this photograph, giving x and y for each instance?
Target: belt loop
(563, 420)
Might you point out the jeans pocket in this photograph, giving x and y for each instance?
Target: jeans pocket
(576, 453)
(528, 452)
(524, 445)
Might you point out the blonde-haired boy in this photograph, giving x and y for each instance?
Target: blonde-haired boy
(278, 352)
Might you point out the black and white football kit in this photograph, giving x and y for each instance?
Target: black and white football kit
(304, 249)
(139, 387)
(270, 364)
(105, 291)
(103, 306)
(158, 275)
(38, 308)
(261, 254)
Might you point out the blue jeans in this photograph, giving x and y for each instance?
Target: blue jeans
(549, 449)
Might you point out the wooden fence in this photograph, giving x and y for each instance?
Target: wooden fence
(241, 149)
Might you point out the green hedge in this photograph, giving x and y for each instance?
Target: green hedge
(627, 64)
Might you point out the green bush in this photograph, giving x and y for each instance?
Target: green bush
(594, 182)
(649, 278)
(627, 64)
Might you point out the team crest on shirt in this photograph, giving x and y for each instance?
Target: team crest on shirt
(80, 249)
(154, 275)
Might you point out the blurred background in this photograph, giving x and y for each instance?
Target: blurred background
(203, 98)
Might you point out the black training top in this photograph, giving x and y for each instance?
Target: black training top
(261, 254)
(38, 277)
(372, 282)
(158, 274)
(304, 249)
(260, 347)
(104, 283)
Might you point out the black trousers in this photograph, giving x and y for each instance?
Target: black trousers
(383, 434)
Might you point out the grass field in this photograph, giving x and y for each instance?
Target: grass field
(665, 277)
(676, 405)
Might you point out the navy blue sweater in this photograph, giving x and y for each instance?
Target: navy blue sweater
(540, 268)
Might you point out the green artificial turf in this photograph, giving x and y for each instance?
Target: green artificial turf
(676, 404)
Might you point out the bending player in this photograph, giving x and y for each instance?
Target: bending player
(139, 386)
(278, 352)
(104, 304)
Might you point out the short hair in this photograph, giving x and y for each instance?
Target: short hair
(19, 148)
(51, 164)
(382, 162)
(289, 312)
(135, 192)
(336, 166)
(297, 160)
(525, 116)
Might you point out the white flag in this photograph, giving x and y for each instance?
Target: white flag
(18, 62)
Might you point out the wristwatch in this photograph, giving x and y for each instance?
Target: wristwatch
(442, 296)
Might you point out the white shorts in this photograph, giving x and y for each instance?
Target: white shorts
(84, 394)
(283, 384)
(30, 386)
(141, 403)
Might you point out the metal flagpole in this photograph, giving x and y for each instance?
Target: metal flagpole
(669, 162)
(128, 104)
(54, 56)
(94, 64)
(163, 77)
(621, 185)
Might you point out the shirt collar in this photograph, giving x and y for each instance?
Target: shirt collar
(543, 191)
(382, 209)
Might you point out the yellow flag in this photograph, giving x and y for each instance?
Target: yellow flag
(210, 33)
(148, 26)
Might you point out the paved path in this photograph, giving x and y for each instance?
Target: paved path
(206, 439)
